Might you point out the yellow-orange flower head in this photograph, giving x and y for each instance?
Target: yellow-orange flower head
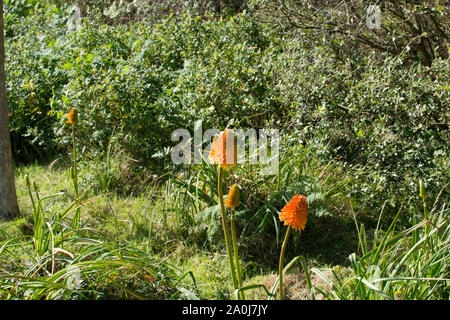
(218, 154)
(233, 198)
(73, 116)
(295, 213)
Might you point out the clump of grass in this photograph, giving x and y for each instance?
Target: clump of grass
(60, 259)
(211, 273)
(58, 256)
(411, 264)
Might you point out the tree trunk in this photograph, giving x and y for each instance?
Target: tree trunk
(8, 198)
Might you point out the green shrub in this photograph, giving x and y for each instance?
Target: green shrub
(384, 123)
(146, 81)
(34, 77)
(139, 80)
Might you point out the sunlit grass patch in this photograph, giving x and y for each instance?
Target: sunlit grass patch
(211, 273)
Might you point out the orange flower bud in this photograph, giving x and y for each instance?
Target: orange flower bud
(233, 198)
(219, 151)
(73, 116)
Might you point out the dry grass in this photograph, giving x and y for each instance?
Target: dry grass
(294, 284)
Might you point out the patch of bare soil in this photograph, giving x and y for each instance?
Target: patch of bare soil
(295, 286)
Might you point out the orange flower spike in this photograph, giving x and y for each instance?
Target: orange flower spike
(73, 116)
(295, 213)
(218, 154)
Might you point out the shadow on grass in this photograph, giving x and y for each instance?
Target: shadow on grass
(326, 240)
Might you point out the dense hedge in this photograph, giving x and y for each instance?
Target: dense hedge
(382, 121)
(140, 81)
(386, 124)
(34, 76)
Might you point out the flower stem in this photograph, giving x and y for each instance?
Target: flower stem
(425, 214)
(236, 255)
(75, 176)
(280, 267)
(225, 228)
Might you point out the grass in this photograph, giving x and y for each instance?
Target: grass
(165, 242)
(47, 249)
(407, 265)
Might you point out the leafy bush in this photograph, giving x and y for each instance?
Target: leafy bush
(135, 80)
(34, 76)
(141, 80)
(384, 123)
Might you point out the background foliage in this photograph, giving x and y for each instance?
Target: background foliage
(384, 120)
(363, 116)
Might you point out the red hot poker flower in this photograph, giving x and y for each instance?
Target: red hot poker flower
(295, 213)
